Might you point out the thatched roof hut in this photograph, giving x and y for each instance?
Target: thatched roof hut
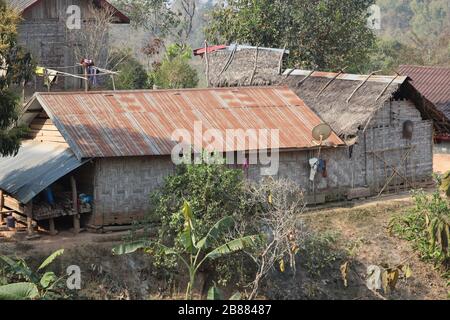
(348, 102)
(237, 65)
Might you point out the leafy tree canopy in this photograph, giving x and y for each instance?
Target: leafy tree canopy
(328, 34)
(132, 74)
(174, 72)
(15, 68)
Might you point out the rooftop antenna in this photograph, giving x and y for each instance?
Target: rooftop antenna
(321, 133)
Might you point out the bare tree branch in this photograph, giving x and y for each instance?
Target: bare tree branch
(91, 42)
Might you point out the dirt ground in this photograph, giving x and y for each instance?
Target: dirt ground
(361, 236)
(357, 234)
(441, 163)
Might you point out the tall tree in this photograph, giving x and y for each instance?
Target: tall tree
(155, 16)
(328, 34)
(15, 68)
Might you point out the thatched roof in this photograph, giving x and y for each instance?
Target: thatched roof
(348, 117)
(345, 118)
(233, 68)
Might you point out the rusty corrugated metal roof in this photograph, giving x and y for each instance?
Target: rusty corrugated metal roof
(432, 82)
(137, 123)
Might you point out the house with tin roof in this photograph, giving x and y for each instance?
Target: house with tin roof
(95, 157)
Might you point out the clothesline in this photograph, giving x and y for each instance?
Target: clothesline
(108, 72)
(101, 69)
(65, 67)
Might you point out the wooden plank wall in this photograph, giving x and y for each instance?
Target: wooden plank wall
(42, 129)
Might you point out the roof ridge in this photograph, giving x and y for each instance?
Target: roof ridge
(163, 90)
(421, 66)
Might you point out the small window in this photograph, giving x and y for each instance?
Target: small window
(408, 128)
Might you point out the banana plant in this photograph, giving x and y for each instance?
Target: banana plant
(36, 285)
(214, 293)
(195, 252)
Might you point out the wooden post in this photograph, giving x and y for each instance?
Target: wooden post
(113, 82)
(53, 231)
(76, 216)
(29, 213)
(2, 204)
(207, 64)
(86, 79)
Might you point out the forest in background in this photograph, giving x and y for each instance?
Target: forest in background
(412, 31)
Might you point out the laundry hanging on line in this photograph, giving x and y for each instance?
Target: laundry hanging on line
(92, 75)
(50, 75)
(314, 163)
(317, 166)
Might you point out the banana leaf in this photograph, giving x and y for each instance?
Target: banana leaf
(220, 227)
(187, 236)
(235, 246)
(19, 291)
(214, 294)
(51, 258)
(131, 247)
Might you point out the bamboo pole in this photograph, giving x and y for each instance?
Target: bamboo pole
(86, 81)
(2, 204)
(207, 64)
(76, 216)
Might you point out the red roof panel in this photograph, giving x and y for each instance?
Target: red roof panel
(432, 82)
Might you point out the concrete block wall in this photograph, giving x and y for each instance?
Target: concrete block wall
(385, 133)
(356, 166)
(343, 172)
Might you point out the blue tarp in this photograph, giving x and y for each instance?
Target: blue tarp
(36, 166)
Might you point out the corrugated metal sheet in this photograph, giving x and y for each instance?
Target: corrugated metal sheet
(210, 49)
(36, 166)
(137, 123)
(432, 82)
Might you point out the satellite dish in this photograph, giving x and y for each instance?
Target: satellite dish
(321, 132)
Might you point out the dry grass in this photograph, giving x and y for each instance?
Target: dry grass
(365, 240)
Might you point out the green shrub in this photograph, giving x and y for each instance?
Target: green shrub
(132, 74)
(427, 227)
(213, 192)
(174, 72)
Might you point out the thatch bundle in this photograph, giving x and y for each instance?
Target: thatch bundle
(244, 67)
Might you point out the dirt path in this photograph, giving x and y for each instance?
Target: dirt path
(441, 163)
